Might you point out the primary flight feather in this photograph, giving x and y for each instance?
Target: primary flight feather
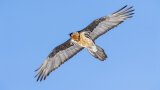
(83, 39)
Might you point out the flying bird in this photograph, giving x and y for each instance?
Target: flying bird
(83, 39)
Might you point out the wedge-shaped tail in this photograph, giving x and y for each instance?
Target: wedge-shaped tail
(97, 52)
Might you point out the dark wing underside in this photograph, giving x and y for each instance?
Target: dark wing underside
(57, 57)
(106, 23)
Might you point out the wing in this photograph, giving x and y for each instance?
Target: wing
(106, 23)
(57, 57)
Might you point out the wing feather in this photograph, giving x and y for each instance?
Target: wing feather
(106, 23)
(56, 58)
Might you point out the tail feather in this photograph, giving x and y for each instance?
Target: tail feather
(98, 53)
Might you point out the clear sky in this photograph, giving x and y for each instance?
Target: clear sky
(30, 29)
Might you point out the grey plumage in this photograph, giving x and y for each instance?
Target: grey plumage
(106, 23)
(57, 57)
(99, 54)
(67, 50)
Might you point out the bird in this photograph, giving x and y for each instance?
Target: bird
(84, 38)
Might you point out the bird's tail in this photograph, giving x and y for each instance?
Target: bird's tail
(97, 52)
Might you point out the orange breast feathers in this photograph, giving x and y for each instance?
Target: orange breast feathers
(81, 40)
(85, 42)
(75, 36)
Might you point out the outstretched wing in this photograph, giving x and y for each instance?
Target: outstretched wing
(106, 23)
(57, 57)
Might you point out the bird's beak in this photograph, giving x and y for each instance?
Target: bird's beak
(70, 34)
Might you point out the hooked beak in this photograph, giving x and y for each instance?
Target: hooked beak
(70, 34)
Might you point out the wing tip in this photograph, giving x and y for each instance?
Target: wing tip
(125, 9)
(120, 9)
(41, 77)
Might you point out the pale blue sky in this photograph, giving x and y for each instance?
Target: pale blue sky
(30, 29)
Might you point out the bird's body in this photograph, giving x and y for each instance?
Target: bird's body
(83, 39)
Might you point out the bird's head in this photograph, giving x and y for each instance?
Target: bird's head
(74, 33)
(70, 34)
(74, 36)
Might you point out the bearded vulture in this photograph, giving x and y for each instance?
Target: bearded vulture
(83, 39)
